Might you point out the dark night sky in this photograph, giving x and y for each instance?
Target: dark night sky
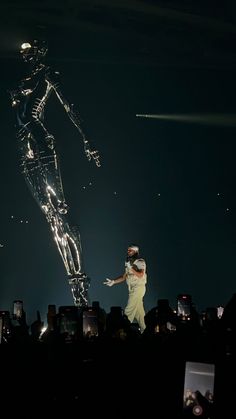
(167, 185)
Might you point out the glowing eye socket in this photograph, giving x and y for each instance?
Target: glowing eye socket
(26, 45)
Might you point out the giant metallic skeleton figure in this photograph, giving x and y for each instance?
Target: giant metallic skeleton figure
(40, 162)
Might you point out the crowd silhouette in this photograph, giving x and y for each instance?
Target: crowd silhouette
(88, 357)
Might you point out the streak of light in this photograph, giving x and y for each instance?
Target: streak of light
(228, 120)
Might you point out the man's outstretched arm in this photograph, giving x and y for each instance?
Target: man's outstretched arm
(118, 280)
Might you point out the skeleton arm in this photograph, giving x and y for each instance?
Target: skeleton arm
(74, 117)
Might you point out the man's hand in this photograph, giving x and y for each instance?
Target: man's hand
(109, 282)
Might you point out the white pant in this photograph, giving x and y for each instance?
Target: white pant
(134, 308)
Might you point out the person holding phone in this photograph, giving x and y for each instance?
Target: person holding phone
(136, 279)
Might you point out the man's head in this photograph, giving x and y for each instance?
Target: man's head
(33, 52)
(132, 250)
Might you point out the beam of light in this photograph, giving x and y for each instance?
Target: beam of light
(227, 120)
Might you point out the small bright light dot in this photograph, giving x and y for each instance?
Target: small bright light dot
(25, 45)
(227, 209)
(90, 183)
(21, 221)
(115, 193)
(26, 221)
(12, 216)
(84, 187)
(159, 194)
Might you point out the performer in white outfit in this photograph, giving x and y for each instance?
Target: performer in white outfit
(136, 279)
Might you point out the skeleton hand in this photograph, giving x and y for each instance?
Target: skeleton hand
(96, 157)
(90, 153)
(109, 282)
